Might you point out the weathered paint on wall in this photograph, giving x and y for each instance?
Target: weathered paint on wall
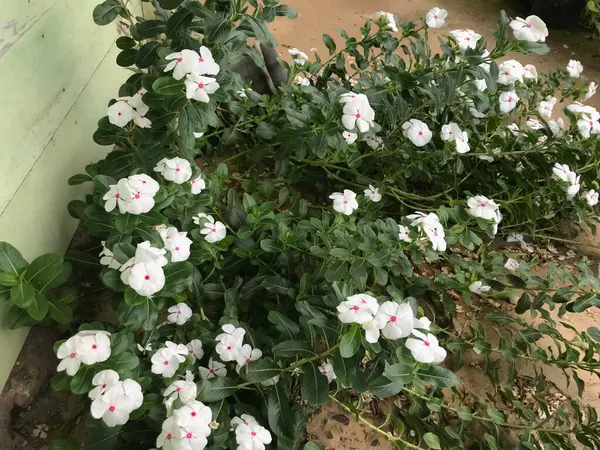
(57, 73)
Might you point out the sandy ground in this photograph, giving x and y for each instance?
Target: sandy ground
(317, 17)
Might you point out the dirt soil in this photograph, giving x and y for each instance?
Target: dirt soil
(29, 409)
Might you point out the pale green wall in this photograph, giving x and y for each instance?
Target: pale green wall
(57, 73)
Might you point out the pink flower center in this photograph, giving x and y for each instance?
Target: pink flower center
(229, 347)
(200, 85)
(118, 114)
(363, 301)
(482, 205)
(214, 230)
(143, 182)
(345, 202)
(193, 413)
(528, 26)
(189, 435)
(201, 59)
(427, 344)
(166, 363)
(72, 355)
(510, 99)
(169, 436)
(211, 371)
(324, 372)
(137, 195)
(112, 409)
(177, 170)
(248, 360)
(393, 319)
(355, 308)
(435, 17)
(507, 73)
(176, 249)
(358, 116)
(179, 59)
(178, 389)
(117, 195)
(193, 181)
(147, 277)
(104, 386)
(178, 312)
(94, 346)
(420, 133)
(468, 39)
(253, 433)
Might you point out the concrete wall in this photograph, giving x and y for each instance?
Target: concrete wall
(57, 73)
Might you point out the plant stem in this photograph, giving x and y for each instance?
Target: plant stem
(365, 422)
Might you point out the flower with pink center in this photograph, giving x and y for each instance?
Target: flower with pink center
(245, 420)
(70, 360)
(344, 202)
(420, 219)
(177, 243)
(196, 349)
(349, 137)
(177, 170)
(395, 320)
(194, 415)
(214, 369)
(179, 313)
(197, 185)
(182, 63)
(119, 194)
(531, 29)
(164, 363)
(482, 207)
(230, 330)
(510, 71)
(465, 38)
(404, 233)
(199, 87)
(436, 235)
(252, 437)
(186, 391)
(360, 308)
(462, 143)
(327, 369)
(115, 406)
(589, 124)
(228, 348)
(436, 17)
(508, 101)
(144, 184)
(93, 348)
(425, 348)
(575, 68)
(450, 132)
(417, 132)
(213, 231)
(246, 355)
(358, 114)
(169, 438)
(530, 72)
(205, 63)
(107, 258)
(372, 193)
(103, 380)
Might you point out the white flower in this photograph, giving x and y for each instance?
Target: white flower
(179, 350)
(143, 184)
(546, 106)
(425, 349)
(422, 324)
(177, 243)
(403, 235)
(177, 170)
(67, 352)
(372, 331)
(252, 437)
(246, 355)
(510, 71)
(374, 142)
(360, 308)
(232, 331)
(462, 143)
(514, 129)
(482, 207)
(195, 349)
(478, 288)
(214, 369)
(592, 88)
(532, 29)
(198, 87)
(561, 172)
(530, 72)
(228, 348)
(92, 348)
(591, 197)
(580, 108)
(436, 17)
(350, 137)
(198, 184)
(119, 194)
(420, 218)
(327, 369)
(481, 85)
(179, 313)
(395, 320)
(358, 113)
(103, 380)
(574, 68)
(465, 38)
(213, 231)
(242, 93)
(140, 203)
(107, 258)
(206, 64)
(120, 113)
(589, 124)
(351, 97)
(511, 264)
(182, 63)
(391, 21)
(436, 235)
(300, 58)
(508, 101)
(519, 238)
(145, 278)
(165, 363)
(450, 132)
(534, 124)
(245, 420)
(344, 202)
(186, 391)
(301, 81)
(574, 185)
(418, 132)
(372, 193)
(194, 415)
(115, 406)
(169, 438)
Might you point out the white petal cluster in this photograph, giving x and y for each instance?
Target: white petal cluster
(195, 66)
(213, 231)
(113, 400)
(144, 271)
(133, 195)
(126, 109)
(86, 347)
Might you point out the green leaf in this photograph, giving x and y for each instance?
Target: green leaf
(106, 12)
(438, 376)
(177, 277)
(345, 369)
(147, 55)
(126, 223)
(179, 20)
(17, 317)
(22, 295)
(48, 272)
(152, 236)
(279, 413)
(358, 269)
(39, 308)
(60, 382)
(127, 57)
(261, 370)
(82, 380)
(60, 312)
(79, 179)
(285, 10)
(594, 333)
(150, 28)
(123, 43)
(8, 279)
(340, 253)
(124, 362)
(315, 388)
(384, 387)
(267, 131)
(260, 30)
(496, 416)
(222, 171)
(350, 342)
(215, 389)
(142, 316)
(169, 4)
(432, 441)
(167, 86)
(270, 246)
(132, 298)
(329, 43)
(217, 30)
(292, 349)
(121, 341)
(287, 327)
(11, 260)
(112, 279)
